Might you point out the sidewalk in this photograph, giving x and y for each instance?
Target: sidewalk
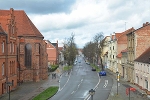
(122, 86)
(28, 90)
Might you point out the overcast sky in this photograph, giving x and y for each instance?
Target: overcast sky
(58, 19)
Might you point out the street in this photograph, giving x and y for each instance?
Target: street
(81, 79)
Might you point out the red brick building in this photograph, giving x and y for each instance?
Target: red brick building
(8, 53)
(53, 53)
(24, 58)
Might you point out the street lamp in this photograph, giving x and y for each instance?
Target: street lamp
(9, 84)
(117, 80)
(91, 92)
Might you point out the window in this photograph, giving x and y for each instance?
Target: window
(28, 54)
(13, 29)
(13, 47)
(146, 84)
(3, 70)
(3, 46)
(10, 47)
(12, 82)
(113, 47)
(137, 79)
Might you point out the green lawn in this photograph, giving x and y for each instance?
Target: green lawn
(49, 92)
(66, 68)
(96, 67)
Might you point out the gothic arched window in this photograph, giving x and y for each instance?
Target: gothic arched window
(28, 55)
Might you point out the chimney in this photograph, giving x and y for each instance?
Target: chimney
(147, 23)
(144, 24)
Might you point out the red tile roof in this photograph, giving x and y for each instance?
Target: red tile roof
(124, 50)
(24, 24)
(127, 31)
(145, 57)
(60, 48)
(119, 55)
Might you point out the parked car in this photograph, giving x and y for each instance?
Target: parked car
(102, 73)
(88, 63)
(93, 69)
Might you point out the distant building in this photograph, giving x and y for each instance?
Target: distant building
(53, 53)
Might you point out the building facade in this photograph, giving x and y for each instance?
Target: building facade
(53, 53)
(142, 71)
(138, 41)
(105, 51)
(8, 52)
(24, 57)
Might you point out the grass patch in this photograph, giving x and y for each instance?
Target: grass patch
(96, 67)
(53, 68)
(49, 92)
(66, 68)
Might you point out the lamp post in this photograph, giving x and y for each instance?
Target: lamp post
(9, 84)
(91, 92)
(117, 80)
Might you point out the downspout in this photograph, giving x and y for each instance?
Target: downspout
(6, 62)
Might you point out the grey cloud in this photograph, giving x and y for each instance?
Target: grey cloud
(39, 6)
(75, 25)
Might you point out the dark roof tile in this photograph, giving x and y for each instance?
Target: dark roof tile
(145, 57)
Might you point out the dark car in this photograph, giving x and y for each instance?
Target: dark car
(93, 69)
(88, 63)
(102, 73)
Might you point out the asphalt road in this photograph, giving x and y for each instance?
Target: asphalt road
(76, 84)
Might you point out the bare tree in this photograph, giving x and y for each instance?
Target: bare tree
(70, 51)
(98, 40)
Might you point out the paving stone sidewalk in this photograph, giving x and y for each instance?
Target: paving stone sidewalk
(122, 86)
(28, 90)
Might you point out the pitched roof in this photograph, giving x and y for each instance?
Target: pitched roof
(54, 44)
(125, 50)
(127, 31)
(24, 25)
(60, 48)
(145, 57)
(119, 55)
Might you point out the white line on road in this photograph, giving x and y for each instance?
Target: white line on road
(72, 92)
(88, 96)
(106, 82)
(66, 82)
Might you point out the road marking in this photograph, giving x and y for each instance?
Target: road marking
(106, 82)
(72, 92)
(66, 82)
(88, 95)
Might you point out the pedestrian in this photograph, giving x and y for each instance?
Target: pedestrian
(55, 75)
